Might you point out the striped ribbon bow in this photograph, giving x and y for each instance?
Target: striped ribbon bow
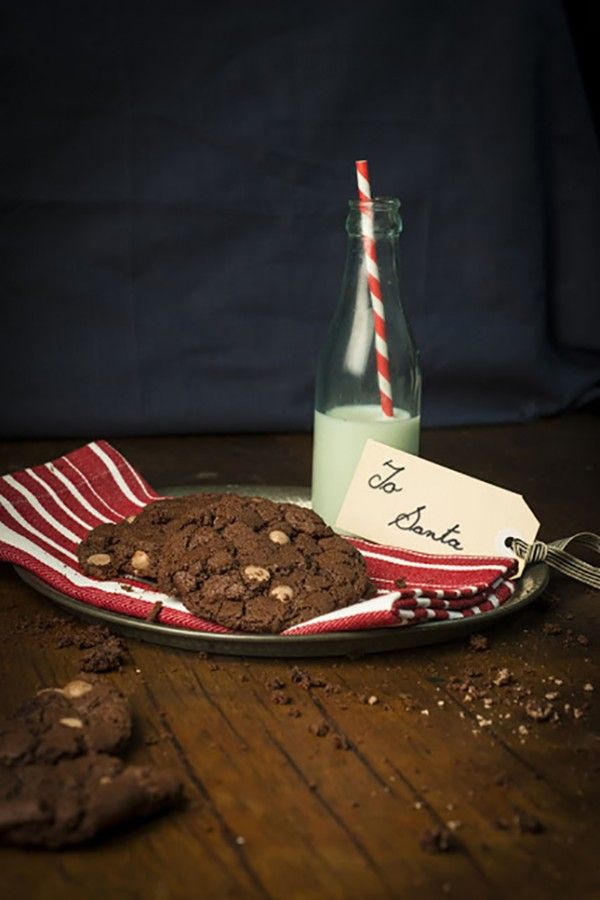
(556, 556)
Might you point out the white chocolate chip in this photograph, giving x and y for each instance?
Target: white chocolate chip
(257, 573)
(76, 688)
(282, 592)
(72, 689)
(140, 561)
(71, 723)
(98, 559)
(279, 537)
(131, 519)
(106, 779)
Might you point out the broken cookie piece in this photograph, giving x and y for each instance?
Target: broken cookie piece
(86, 715)
(45, 805)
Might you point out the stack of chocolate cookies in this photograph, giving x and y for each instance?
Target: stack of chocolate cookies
(242, 562)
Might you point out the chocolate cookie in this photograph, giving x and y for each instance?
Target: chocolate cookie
(86, 715)
(76, 799)
(132, 547)
(259, 566)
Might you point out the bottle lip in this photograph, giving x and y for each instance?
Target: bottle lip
(376, 204)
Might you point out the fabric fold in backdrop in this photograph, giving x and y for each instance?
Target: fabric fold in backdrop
(47, 510)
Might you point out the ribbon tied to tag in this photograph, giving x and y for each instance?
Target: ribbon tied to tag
(556, 556)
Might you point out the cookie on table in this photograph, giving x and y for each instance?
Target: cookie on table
(132, 547)
(76, 799)
(259, 566)
(86, 715)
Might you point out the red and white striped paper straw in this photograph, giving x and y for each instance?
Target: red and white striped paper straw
(381, 345)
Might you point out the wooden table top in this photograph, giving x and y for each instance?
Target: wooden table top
(272, 809)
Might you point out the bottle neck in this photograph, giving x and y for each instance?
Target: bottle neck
(348, 373)
(374, 219)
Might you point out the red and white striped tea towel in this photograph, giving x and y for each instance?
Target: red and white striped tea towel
(47, 510)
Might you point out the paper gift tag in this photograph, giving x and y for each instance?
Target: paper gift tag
(402, 500)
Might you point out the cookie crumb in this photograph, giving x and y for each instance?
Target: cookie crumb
(502, 678)
(304, 680)
(502, 779)
(528, 824)
(106, 657)
(281, 699)
(479, 642)
(154, 612)
(540, 712)
(320, 729)
(438, 840)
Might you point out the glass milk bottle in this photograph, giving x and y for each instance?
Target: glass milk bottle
(350, 401)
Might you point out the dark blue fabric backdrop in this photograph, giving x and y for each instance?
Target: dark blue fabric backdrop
(173, 199)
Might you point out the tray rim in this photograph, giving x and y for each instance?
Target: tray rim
(326, 644)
